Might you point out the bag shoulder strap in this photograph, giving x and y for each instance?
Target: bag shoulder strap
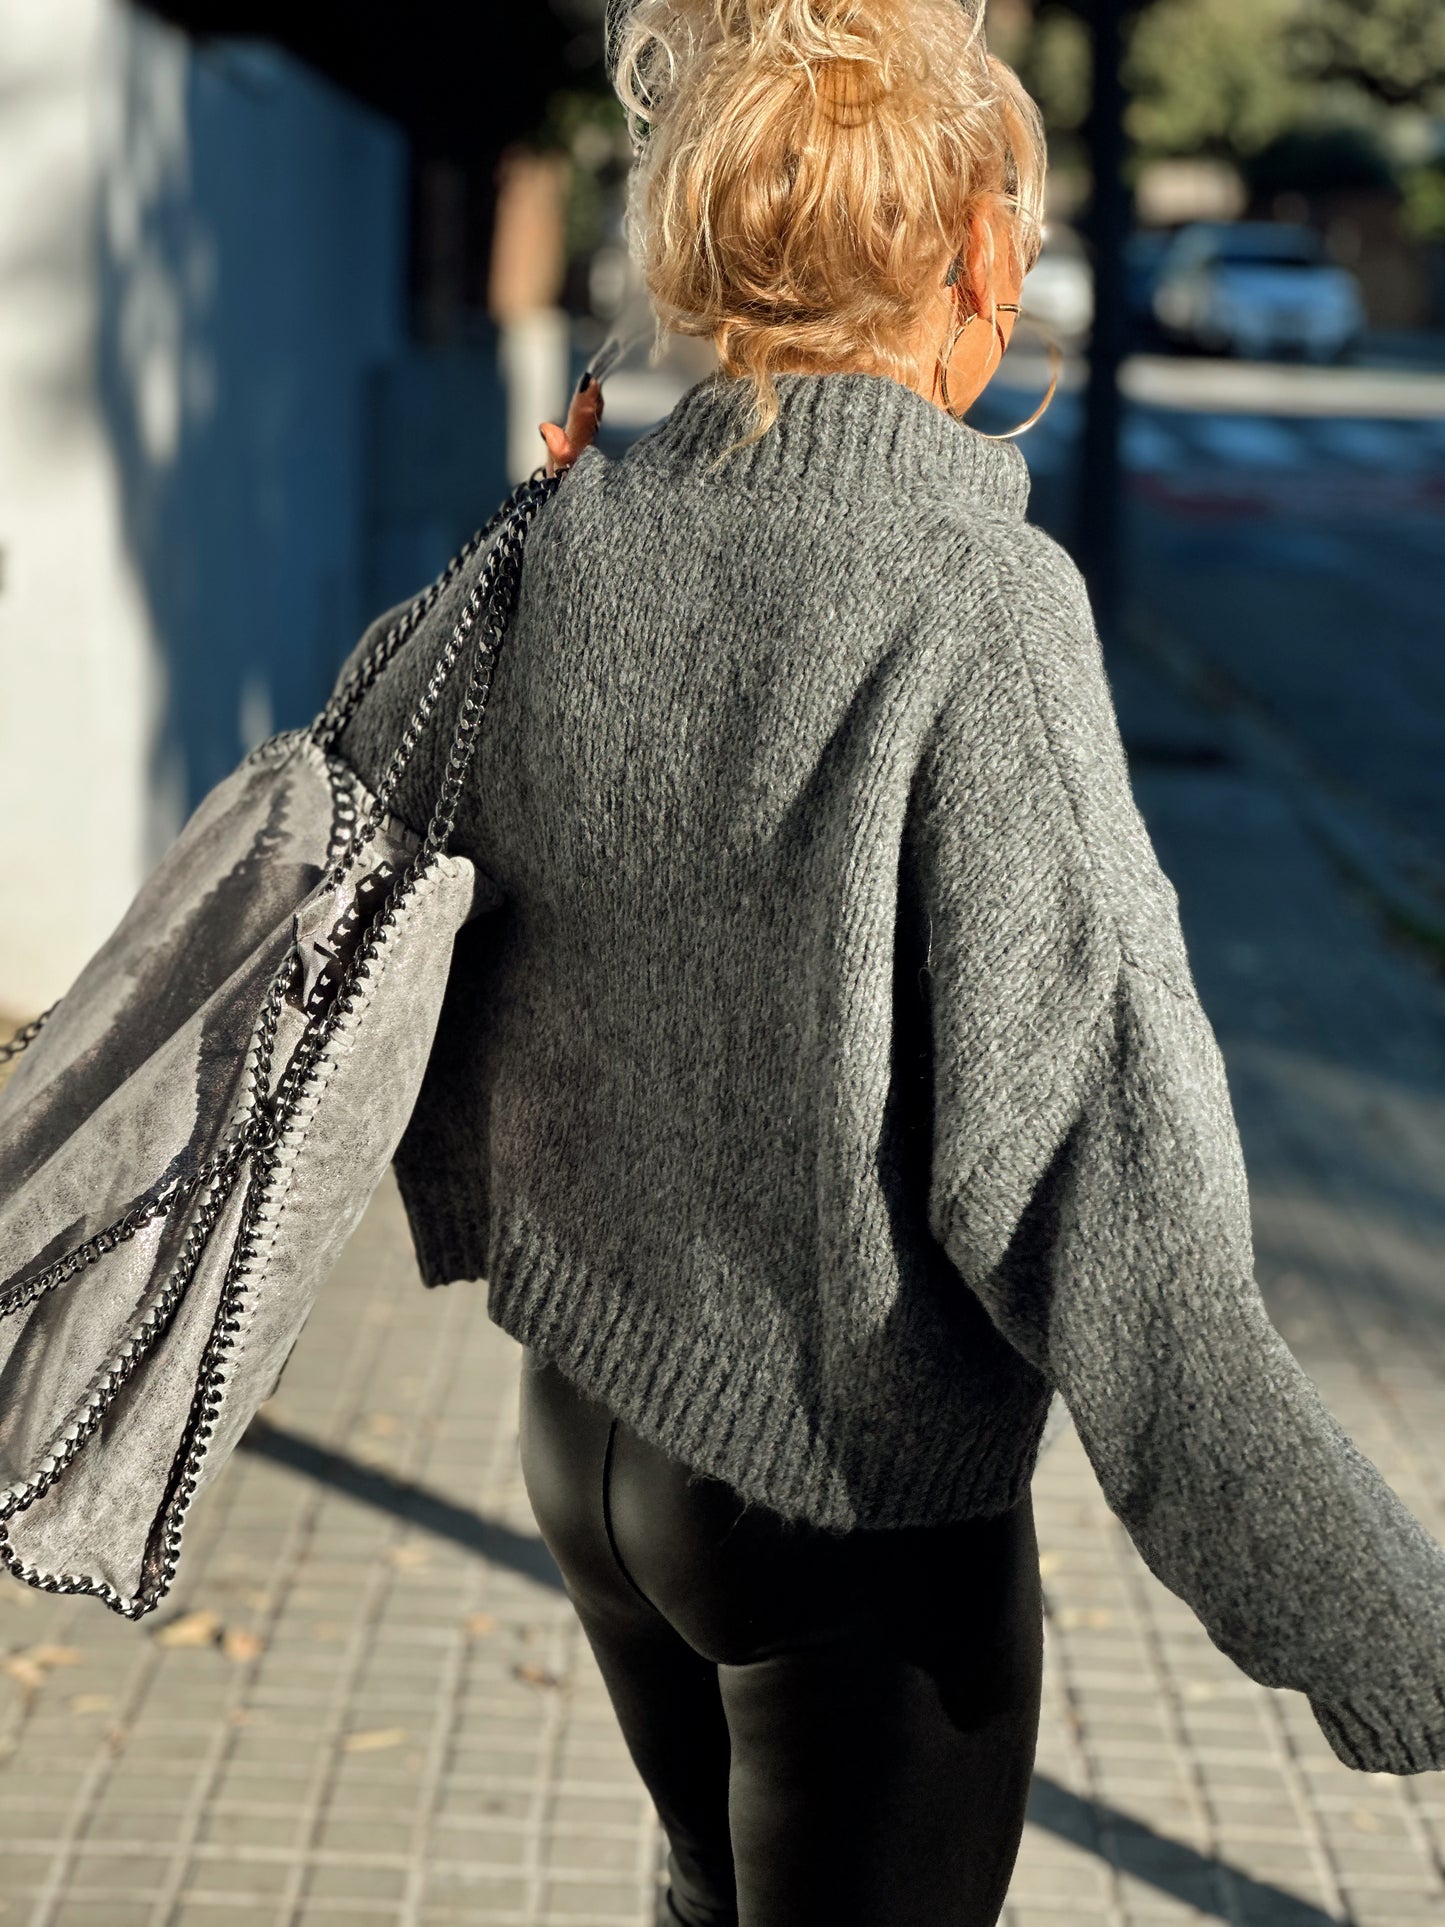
(345, 700)
(495, 589)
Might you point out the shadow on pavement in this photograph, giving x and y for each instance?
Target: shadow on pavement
(1133, 1848)
(519, 1551)
(1215, 1888)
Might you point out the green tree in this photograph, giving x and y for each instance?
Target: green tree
(1212, 76)
(1392, 51)
(1056, 65)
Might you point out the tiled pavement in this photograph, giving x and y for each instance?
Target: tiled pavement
(368, 1701)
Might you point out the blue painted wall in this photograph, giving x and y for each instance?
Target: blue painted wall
(251, 232)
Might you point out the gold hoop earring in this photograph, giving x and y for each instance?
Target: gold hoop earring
(1056, 362)
(946, 357)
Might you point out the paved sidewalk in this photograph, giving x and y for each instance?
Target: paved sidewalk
(368, 1701)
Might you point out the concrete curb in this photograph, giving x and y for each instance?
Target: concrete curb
(1406, 880)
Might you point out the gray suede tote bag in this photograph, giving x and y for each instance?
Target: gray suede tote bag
(194, 1131)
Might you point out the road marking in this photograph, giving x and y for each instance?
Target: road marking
(1247, 441)
(1245, 450)
(1281, 388)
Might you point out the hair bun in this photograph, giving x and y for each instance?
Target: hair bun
(806, 170)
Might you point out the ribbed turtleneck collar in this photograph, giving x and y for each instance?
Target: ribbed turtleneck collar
(858, 430)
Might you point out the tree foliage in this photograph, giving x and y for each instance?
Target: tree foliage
(1390, 50)
(1056, 66)
(1225, 77)
(1211, 76)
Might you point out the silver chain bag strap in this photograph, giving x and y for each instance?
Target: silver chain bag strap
(193, 1132)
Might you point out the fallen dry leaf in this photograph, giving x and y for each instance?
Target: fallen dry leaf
(240, 1644)
(478, 1625)
(374, 1739)
(537, 1675)
(191, 1629)
(29, 1666)
(1364, 1820)
(409, 1557)
(91, 1702)
(384, 1425)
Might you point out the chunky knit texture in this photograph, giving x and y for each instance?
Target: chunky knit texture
(830, 1084)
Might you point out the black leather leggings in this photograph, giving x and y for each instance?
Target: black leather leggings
(837, 1730)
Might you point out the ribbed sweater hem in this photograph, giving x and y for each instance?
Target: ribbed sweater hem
(728, 1416)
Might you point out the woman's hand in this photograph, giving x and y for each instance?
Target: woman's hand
(564, 445)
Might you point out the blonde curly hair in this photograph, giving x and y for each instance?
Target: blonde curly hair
(805, 172)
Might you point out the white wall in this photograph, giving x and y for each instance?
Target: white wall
(201, 263)
(78, 674)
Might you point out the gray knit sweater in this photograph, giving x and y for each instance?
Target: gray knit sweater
(829, 1084)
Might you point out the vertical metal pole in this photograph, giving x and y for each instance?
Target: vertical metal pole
(1097, 511)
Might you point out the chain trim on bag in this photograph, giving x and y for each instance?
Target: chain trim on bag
(497, 586)
(221, 1173)
(269, 1118)
(163, 1550)
(13, 1046)
(332, 721)
(255, 1128)
(345, 809)
(505, 556)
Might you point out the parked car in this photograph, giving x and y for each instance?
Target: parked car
(1257, 288)
(1059, 288)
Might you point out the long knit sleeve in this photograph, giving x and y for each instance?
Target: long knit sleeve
(440, 1164)
(1109, 1236)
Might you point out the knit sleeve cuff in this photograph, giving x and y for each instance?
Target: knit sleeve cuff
(1398, 1735)
(448, 1231)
